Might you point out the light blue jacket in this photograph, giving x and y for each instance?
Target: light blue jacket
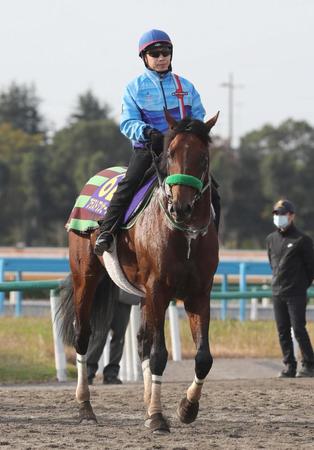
(146, 97)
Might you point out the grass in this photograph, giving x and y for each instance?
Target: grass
(26, 350)
(27, 354)
(234, 339)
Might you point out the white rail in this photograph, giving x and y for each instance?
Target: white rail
(130, 367)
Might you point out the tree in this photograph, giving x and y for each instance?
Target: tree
(19, 106)
(77, 153)
(89, 108)
(222, 167)
(271, 163)
(23, 186)
(244, 220)
(4, 176)
(288, 169)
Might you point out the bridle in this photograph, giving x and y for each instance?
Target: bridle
(165, 192)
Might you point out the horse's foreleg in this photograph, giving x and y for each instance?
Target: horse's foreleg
(199, 323)
(157, 363)
(144, 347)
(82, 391)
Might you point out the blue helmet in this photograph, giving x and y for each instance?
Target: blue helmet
(153, 37)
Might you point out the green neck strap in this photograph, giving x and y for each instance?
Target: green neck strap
(187, 180)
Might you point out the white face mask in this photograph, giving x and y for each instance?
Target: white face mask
(281, 221)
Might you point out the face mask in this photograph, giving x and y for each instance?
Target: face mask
(281, 221)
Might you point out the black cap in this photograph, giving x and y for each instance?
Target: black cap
(283, 207)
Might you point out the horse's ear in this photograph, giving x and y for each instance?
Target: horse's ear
(170, 120)
(211, 122)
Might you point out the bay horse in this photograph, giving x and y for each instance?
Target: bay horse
(170, 252)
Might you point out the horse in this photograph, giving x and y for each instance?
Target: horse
(171, 252)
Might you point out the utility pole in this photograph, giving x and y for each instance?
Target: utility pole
(230, 86)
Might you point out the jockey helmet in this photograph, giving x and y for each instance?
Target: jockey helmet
(153, 39)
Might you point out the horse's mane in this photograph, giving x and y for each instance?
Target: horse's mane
(187, 125)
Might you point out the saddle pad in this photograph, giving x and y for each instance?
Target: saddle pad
(92, 203)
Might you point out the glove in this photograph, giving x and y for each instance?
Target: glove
(156, 139)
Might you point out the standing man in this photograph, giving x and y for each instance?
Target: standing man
(97, 341)
(291, 256)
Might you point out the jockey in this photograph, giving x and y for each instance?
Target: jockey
(143, 122)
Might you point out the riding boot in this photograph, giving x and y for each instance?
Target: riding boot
(140, 161)
(103, 242)
(107, 229)
(216, 204)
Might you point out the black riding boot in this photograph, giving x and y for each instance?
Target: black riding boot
(140, 161)
(108, 227)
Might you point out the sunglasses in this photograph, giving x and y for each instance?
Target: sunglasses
(156, 53)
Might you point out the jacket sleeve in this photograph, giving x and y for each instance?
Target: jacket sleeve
(198, 110)
(308, 257)
(268, 251)
(131, 122)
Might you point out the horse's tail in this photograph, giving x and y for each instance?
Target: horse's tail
(106, 295)
(65, 312)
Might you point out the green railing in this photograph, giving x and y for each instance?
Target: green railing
(9, 286)
(14, 286)
(53, 286)
(248, 294)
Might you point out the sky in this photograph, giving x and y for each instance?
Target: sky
(65, 47)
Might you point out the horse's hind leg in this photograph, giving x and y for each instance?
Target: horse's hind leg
(83, 294)
(199, 323)
(86, 272)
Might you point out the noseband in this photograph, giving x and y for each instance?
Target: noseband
(187, 180)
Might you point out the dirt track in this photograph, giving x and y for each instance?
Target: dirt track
(234, 414)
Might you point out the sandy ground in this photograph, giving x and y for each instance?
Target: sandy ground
(243, 407)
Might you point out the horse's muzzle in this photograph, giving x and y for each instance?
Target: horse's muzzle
(180, 212)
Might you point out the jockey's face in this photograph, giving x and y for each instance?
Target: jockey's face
(159, 62)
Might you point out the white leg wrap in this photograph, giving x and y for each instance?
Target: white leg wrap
(147, 377)
(155, 401)
(82, 390)
(194, 391)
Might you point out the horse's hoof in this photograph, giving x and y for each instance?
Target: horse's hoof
(86, 413)
(187, 411)
(157, 424)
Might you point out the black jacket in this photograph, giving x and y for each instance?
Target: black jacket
(291, 256)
